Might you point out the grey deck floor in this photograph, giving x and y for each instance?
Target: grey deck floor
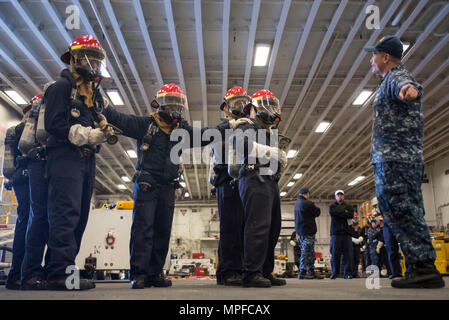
(339, 289)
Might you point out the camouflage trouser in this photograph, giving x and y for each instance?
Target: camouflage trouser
(398, 190)
(307, 262)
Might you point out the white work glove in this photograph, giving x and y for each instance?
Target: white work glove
(292, 242)
(355, 241)
(362, 249)
(379, 246)
(234, 123)
(267, 152)
(360, 239)
(79, 135)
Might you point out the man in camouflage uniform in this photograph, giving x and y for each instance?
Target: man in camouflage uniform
(306, 213)
(397, 156)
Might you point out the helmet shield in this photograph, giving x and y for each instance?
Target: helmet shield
(170, 104)
(237, 104)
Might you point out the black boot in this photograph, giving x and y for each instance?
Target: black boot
(138, 282)
(422, 275)
(158, 281)
(258, 281)
(302, 275)
(315, 275)
(220, 281)
(60, 284)
(13, 285)
(276, 281)
(234, 279)
(34, 283)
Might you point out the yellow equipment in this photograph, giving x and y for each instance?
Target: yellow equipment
(125, 205)
(441, 246)
(442, 250)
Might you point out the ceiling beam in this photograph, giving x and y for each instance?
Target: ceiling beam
(202, 67)
(300, 49)
(20, 44)
(119, 65)
(125, 50)
(318, 58)
(42, 40)
(251, 37)
(146, 37)
(177, 55)
(277, 42)
(10, 61)
(225, 51)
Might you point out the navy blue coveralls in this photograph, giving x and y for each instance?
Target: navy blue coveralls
(153, 209)
(230, 212)
(37, 231)
(71, 176)
(341, 242)
(262, 212)
(22, 192)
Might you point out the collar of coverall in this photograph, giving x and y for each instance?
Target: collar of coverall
(166, 128)
(84, 89)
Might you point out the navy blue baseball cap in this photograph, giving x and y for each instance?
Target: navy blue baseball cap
(303, 190)
(388, 44)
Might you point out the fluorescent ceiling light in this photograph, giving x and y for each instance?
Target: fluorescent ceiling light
(405, 47)
(121, 186)
(126, 179)
(186, 195)
(104, 72)
(131, 154)
(283, 193)
(17, 98)
(322, 127)
(291, 153)
(291, 183)
(356, 180)
(297, 176)
(115, 97)
(363, 96)
(183, 184)
(261, 56)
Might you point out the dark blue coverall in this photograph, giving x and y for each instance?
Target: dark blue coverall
(71, 176)
(230, 212)
(153, 209)
(37, 231)
(262, 212)
(22, 192)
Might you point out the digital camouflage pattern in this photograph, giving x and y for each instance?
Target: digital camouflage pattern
(398, 191)
(398, 125)
(307, 261)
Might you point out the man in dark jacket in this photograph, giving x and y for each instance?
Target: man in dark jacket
(22, 193)
(340, 235)
(305, 214)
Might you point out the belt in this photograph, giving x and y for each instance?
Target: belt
(87, 152)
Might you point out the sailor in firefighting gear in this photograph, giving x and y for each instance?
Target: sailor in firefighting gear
(258, 188)
(155, 181)
(230, 210)
(21, 189)
(71, 106)
(33, 274)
